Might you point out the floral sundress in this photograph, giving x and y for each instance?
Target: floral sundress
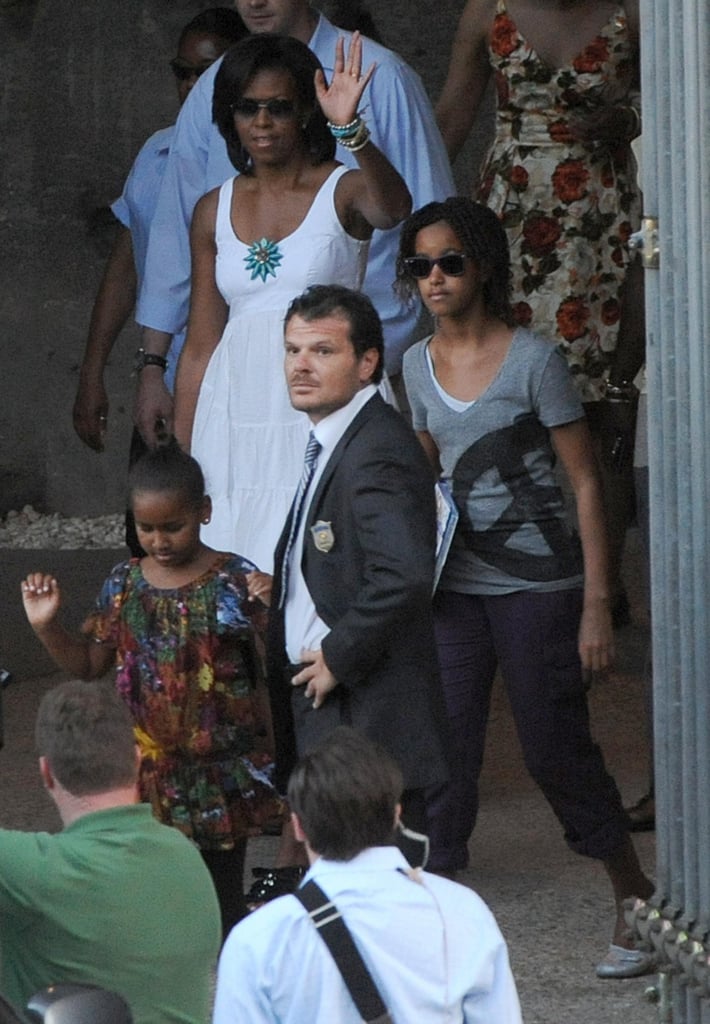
(568, 208)
(187, 666)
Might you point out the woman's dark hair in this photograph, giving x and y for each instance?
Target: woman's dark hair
(168, 468)
(482, 237)
(365, 327)
(223, 22)
(269, 52)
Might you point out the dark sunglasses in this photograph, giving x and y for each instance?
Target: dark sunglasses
(453, 265)
(280, 110)
(183, 72)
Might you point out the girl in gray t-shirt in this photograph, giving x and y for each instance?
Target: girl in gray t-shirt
(494, 406)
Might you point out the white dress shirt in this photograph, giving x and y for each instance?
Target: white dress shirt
(432, 946)
(304, 629)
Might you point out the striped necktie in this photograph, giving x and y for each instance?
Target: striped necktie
(309, 464)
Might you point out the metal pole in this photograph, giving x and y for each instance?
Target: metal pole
(676, 179)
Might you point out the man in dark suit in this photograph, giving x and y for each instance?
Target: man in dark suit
(351, 639)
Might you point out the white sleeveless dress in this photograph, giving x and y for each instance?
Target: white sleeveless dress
(247, 437)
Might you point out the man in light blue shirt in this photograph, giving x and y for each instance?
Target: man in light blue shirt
(431, 946)
(401, 120)
(135, 208)
(202, 40)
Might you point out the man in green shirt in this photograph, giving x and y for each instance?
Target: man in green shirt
(115, 899)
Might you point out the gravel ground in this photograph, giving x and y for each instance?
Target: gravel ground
(30, 529)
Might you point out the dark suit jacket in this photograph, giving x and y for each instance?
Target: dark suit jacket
(373, 589)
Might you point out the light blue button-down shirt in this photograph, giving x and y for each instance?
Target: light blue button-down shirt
(433, 949)
(135, 209)
(401, 120)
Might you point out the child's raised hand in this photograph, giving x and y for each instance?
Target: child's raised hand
(41, 598)
(259, 586)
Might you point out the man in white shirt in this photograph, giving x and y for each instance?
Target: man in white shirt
(431, 946)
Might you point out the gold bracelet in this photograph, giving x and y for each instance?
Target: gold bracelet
(358, 140)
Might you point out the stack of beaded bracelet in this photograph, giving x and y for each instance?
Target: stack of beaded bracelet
(352, 136)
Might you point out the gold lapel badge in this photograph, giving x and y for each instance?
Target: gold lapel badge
(323, 536)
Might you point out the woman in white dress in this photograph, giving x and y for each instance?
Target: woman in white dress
(292, 217)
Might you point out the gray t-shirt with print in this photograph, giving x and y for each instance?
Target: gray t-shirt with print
(498, 458)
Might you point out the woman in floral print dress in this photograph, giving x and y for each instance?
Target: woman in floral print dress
(559, 172)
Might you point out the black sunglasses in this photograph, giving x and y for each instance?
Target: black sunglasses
(280, 110)
(183, 72)
(453, 265)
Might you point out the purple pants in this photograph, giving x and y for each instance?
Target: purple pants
(533, 638)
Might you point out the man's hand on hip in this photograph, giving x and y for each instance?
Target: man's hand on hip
(316, 677)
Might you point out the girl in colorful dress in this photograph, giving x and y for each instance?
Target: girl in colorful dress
(494, 406)
(182, 628)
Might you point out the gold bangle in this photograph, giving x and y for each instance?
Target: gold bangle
(358, 140)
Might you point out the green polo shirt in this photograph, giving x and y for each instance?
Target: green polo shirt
(117, 900)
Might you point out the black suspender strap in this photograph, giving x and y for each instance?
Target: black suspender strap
(332, 929)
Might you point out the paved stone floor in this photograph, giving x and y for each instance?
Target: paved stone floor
(554, 907)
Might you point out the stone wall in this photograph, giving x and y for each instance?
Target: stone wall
(85, 82)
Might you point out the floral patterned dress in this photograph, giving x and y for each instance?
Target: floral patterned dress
(187, 666)
(568, 207)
